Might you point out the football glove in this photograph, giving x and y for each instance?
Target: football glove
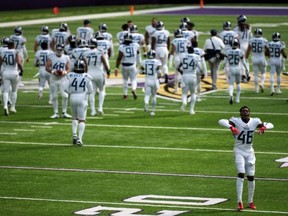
(261, 130)
(234, 130)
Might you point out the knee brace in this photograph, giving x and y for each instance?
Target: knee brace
(250, 178)
(240, 175)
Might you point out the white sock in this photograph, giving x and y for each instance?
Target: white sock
(239, 188)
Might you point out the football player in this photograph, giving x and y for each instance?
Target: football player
(44, 36)
(85, 32)
(78, 86)
(149, 30)
(58, 64)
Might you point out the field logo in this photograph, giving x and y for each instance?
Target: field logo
(284, 162)
(153, 199)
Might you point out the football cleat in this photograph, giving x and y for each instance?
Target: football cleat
(74, 139)
(93, 112)
(100, 112)
(152, 114)
(79, 142)
(231, 100)
(134, 95)
(13, 110)
(261, 89)
(6, 112)
(240, 206)
(54, 116)
(125, 97)
(66, 115)
(192, 112)
(252, 206)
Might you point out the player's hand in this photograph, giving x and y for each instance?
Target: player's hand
(261, 130)
(234, 130)
(108, 73)
(116, 72)
(21, 72)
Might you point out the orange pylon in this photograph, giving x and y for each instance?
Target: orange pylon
(201, 3)
(131, 10)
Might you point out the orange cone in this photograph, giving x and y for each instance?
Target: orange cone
(55, 10)
(131, 10)
(201, 3)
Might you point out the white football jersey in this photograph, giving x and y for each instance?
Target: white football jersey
(41, 38)
(138, 38)
(189, 35)
(41, 57)
(58, 63)
(161, 37)
(120, 36)
(227, 36)
(104, 45)
(151, 68)
(244, 37)
(9, 60)
(150, 30)
(275, 48)
(244, 140)
(60, 37)
(78, 83)
(190, 63)
(180, 45)
(19, 42)
(234, 57)
(85, 33)
(129, 53)
(78, 52)
(107, 36)
(94, 63)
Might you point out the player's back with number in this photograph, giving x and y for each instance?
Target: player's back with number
(151, 68)
(189, 62)
(79, 83)
(129, 52)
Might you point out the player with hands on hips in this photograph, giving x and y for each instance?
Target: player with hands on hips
(243, 129)
(78, 85)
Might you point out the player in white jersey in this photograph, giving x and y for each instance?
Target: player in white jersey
(129, 57)
(20, 45)
(71, 45)
(4, 41)
(44, 36)
(161, 45)
(257, 46)
(40, 60)
(190, 27)
(188, 67)
(138, 38)
(276, 53)
(107, 36)
(151, 67)
(179, 46)
(214, 45)
(120, 35)
(189, 35)
(96, 64)
(105, 46)
(58, 64)
(10, 61)
(234, 57)
(59, 37)
(149, 30)
(244, 31)
(243, 129)
(77, 53)
(227, 35)
(200, 76)
(62, 25)
(78, 85)
(85, 32)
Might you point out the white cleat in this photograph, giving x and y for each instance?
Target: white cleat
(13, 110)
(66, 115)
(192, 112)
(100, 112)
(54, 116)
(93, 113)
(152, 114)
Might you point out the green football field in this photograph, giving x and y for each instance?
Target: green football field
(132, 163)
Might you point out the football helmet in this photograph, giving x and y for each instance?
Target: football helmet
(151, 54)
(81, 43)
(72, 39)
(276, 36)
(59, 49)
(183, 26)
(128, 37)
(258, 32)
(99, 35)
(178, 33)
(64, 26)
(241, 19)
(133, 29)
(235, 43)
(92, 42)
(5, 40)
(79, 66)
(103, 27)
(45, 29)
(227, 25)
(190, 49)
(18, 30)
(185, 19)
(159, 25)
(213, 32)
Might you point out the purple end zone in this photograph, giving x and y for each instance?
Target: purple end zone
(231, 11)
